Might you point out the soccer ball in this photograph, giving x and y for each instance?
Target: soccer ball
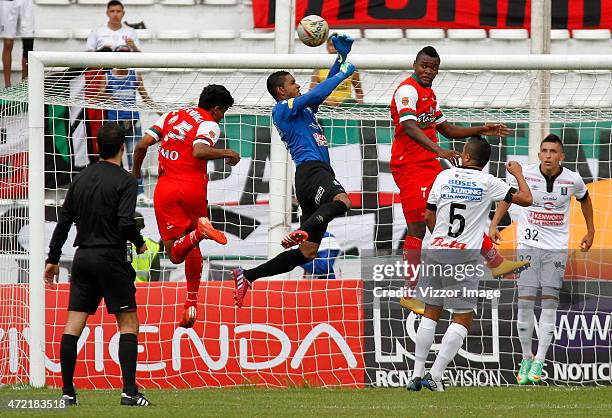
(313, 30)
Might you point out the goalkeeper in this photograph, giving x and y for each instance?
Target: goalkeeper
(321, 197)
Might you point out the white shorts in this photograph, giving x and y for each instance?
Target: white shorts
(547, 267)
(16, 19)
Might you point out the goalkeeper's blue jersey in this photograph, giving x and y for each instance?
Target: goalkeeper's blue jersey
(300, 131)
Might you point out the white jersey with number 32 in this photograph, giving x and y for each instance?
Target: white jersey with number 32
(462, 199)
(545, 224)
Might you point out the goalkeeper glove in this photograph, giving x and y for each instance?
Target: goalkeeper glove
(347, 69)
(343, 45)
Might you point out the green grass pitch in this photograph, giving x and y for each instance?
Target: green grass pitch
(307, 402)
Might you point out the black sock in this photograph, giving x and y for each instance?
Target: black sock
(282, 263)
(68, 355)
(324, 215)
(128, 354)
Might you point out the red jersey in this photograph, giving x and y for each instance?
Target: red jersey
(178, 132)
(413, 101)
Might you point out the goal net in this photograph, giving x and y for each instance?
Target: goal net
(337, 327)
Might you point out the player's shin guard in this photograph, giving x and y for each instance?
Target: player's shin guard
(193, 274)
(424, 340)
(282, 263)
(68, 355)
(525, 325)
(451, 342)
(546, 328)
(489, 252)
(184, 245)
(412, 256)
(128, 356)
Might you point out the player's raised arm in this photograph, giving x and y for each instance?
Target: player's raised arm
(458, 132)
(523, 197)
(318, 95)
(343, 45)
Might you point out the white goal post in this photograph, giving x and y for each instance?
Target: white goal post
(39, 61)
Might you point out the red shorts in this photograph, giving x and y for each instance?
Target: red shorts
(414, 182)
(178, 205)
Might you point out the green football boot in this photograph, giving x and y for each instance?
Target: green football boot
(535, 373)
(521, 377)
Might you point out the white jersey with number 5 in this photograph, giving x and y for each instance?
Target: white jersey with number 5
(545, 224)
(462, 198)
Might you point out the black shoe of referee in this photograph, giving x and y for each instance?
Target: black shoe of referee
(70, 400)
(134, 400)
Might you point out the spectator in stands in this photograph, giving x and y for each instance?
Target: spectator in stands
(114, 33)
(343, 94)
(16, 21)
(121, 87)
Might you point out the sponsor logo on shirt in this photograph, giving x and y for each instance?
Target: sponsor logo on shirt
(426, 117)
(564, 191)
(537, 180)
(440, 242)
(404, 101)
(545, 219)
(320, 139)
(457, 192)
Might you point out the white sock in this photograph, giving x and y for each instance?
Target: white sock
(546, 328)
(451, 342)
(524, 325)
(424, 340)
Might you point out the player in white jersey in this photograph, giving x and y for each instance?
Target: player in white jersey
(542, 238)
(457, 212)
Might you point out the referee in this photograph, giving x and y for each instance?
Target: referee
(101, 202)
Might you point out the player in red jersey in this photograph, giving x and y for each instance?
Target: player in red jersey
(188, 137)
(417, 119)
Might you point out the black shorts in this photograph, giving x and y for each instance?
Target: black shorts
(315, 185)
(102, 272)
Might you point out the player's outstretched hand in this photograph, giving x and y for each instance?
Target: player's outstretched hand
(142, 249)
(495, 236)
(232, 158)
(450, 155)
(51, 274)
(586, 242)
(343, 45)
(495, 129)
(347, 69)
(514, 168)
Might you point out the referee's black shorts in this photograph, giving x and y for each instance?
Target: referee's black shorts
(315, 185)
(102, 272)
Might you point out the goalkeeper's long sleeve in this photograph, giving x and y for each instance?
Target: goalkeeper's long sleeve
(318, 95)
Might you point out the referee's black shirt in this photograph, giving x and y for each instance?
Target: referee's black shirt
(101, 202)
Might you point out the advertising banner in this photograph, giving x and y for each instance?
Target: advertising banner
(445, 14)
(291, 333)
